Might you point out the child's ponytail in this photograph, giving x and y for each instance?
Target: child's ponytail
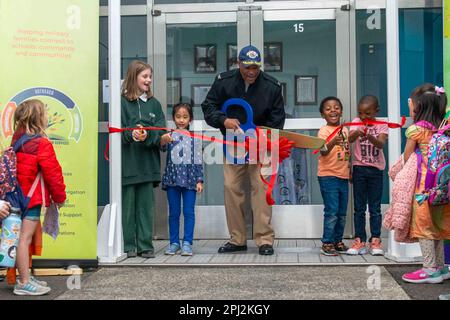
(429, 103)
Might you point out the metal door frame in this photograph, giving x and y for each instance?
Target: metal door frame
(306, 221)
(211, 221)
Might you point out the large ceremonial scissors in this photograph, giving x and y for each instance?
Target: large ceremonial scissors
(248, 130)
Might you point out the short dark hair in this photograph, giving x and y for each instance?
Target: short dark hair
(186, 106)
(370, 99)
(325, 100)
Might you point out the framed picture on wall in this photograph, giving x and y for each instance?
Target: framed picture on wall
(273, 56)
(284, 92)
(173, 91)
(198, 93)
(232, 59)
(205, 58)
(305, 90)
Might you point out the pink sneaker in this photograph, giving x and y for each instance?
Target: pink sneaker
(375, 248)
(357, 247)
(423, 275)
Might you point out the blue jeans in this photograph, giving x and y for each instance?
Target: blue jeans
(367, 189)
(33, 214)
(335, 198)
(174, 195)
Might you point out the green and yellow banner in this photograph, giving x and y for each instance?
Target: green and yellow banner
(49, 51)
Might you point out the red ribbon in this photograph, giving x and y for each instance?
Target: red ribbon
(365, 123)
(189, 134)
(284, 146)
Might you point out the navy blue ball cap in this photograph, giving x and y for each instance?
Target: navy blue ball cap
(250, 55)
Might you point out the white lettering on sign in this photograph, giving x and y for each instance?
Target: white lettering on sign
(374, 20)
(74, 17)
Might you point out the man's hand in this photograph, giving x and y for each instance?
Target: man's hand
(232, 124)
(4, 209)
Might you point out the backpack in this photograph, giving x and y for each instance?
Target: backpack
(9, 186)
(437, 180)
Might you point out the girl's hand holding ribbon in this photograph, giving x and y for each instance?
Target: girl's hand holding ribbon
(139, 134)
(166, 138)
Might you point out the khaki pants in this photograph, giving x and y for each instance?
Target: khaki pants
(234, 176)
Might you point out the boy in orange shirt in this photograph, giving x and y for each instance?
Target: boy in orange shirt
(333, 174)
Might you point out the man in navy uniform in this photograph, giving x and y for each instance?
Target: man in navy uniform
(263, 93)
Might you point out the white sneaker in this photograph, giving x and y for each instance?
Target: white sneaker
(30, 289)
(39, 282)
(445, 272)
(444, 296)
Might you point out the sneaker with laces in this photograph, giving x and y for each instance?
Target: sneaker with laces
(375, 247)
(328, 250)
(340, 247)
(172, 249)
(39, 282)
(30, 289)
(444, 296)
(187, 249)
(445, 273)
(424, 275)
(358, 247)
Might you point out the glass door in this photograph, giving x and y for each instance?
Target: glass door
(307, 50)
(190, 49)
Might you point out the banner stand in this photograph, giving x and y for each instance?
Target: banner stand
(109, 237)
(403, 252)
(109, 228)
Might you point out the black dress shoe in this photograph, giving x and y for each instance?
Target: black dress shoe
(229, 247)
(266, 250)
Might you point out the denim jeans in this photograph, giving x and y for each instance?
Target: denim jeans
(335, 198)
(174, 195)
(367, 189)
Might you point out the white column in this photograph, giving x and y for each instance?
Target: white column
(110, 242)
(401, 252)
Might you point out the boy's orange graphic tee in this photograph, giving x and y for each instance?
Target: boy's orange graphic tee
(336, 163)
